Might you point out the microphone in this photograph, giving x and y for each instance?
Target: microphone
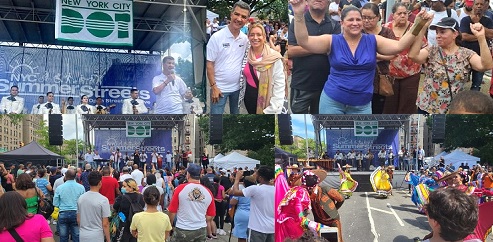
(171, 72)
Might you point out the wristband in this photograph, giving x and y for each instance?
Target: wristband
(418, 26)
(213, 84)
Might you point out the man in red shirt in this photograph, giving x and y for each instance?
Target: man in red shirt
(191, 202)
(109, 186)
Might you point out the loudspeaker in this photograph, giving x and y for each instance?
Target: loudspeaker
(285, 130)
(438, 128)
(55, 129)
(216, 129)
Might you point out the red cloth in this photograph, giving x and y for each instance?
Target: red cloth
(108, 187)
(485, 222)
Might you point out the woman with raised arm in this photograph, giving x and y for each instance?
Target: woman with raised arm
(352, 55)
(447, 65)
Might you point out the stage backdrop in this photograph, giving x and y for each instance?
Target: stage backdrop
(344, 141)
(72, 73)
(105, 140)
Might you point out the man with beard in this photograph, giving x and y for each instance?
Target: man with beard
(471, 42)
(310, 70)
(466, 10)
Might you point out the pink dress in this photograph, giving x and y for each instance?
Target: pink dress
(33, 229)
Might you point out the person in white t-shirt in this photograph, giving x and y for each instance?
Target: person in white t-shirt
(439, 11)
(225, 60)
(261, 223)
(171, 91)
(126, 174)
(334, 10)
(137, 175)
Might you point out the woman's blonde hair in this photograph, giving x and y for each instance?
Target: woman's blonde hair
(257, 25)
(132, 184)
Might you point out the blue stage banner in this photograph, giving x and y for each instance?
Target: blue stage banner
(107, 140)
(73, 73)
(344, 141)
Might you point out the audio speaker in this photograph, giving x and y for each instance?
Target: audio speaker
(438, 128)
(285, 130)
(216, 129)
(55, 129)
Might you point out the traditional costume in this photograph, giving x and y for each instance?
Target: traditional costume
(380, 181)
(292, 205)
(348, 185)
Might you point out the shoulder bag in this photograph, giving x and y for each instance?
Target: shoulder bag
(16, 235)
(446, 72)
(45, 207)
(385, 84)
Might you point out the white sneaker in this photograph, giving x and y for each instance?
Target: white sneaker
(221, 232)
(54, 222)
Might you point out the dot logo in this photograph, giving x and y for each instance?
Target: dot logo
(365, 128)
(138, 129)
(107, 22)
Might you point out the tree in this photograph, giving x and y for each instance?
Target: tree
(254, 133)
(224, 7)
(44, 139)
(474, 131)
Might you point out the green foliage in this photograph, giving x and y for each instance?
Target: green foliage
(474, 131)
(44, 138)
(16, 118)
(300, 148)
(264, 155)
(254, 133)
(224, 7)
(278, 10)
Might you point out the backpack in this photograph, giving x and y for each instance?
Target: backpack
(135, 207)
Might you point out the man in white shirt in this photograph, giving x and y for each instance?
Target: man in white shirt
(70, 108)
(134, 105)
(261, 222)
(37, 106)
(115, 159)
(89, 159)
(225, 54)
(137, 175)
(97, 157)
(334, 10)
(170, 90)
(381, 157)
(439, 11)
(12, 104)
(421, 156)
(169, 160)
(401, 158)
(143, 159)
(338, 157)
(126, 174)
(49, 107)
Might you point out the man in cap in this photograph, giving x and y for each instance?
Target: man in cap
(84, 177)
(126, 174)
(191, 203)
(466, 10)
(471, 42)
(439, 11)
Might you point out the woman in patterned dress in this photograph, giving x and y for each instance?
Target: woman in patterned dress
(440, 86)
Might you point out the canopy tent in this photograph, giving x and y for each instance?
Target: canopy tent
(218, 156)
(286, 157)
(235, 159)
(437, 157)
(211, 15)
(457, 157)
(32, 152)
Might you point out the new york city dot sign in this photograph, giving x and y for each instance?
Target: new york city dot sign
(103, 22)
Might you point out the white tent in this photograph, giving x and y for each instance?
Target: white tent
(457, 157)
(235, 159)
(218, 156)
(211, 15)
(437, 157)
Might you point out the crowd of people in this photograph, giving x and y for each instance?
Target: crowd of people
(347, 72)
(136, 204)
(438, 191)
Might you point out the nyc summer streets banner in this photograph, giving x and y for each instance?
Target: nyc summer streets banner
(103, 22)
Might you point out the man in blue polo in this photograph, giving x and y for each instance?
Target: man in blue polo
(66, 196)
